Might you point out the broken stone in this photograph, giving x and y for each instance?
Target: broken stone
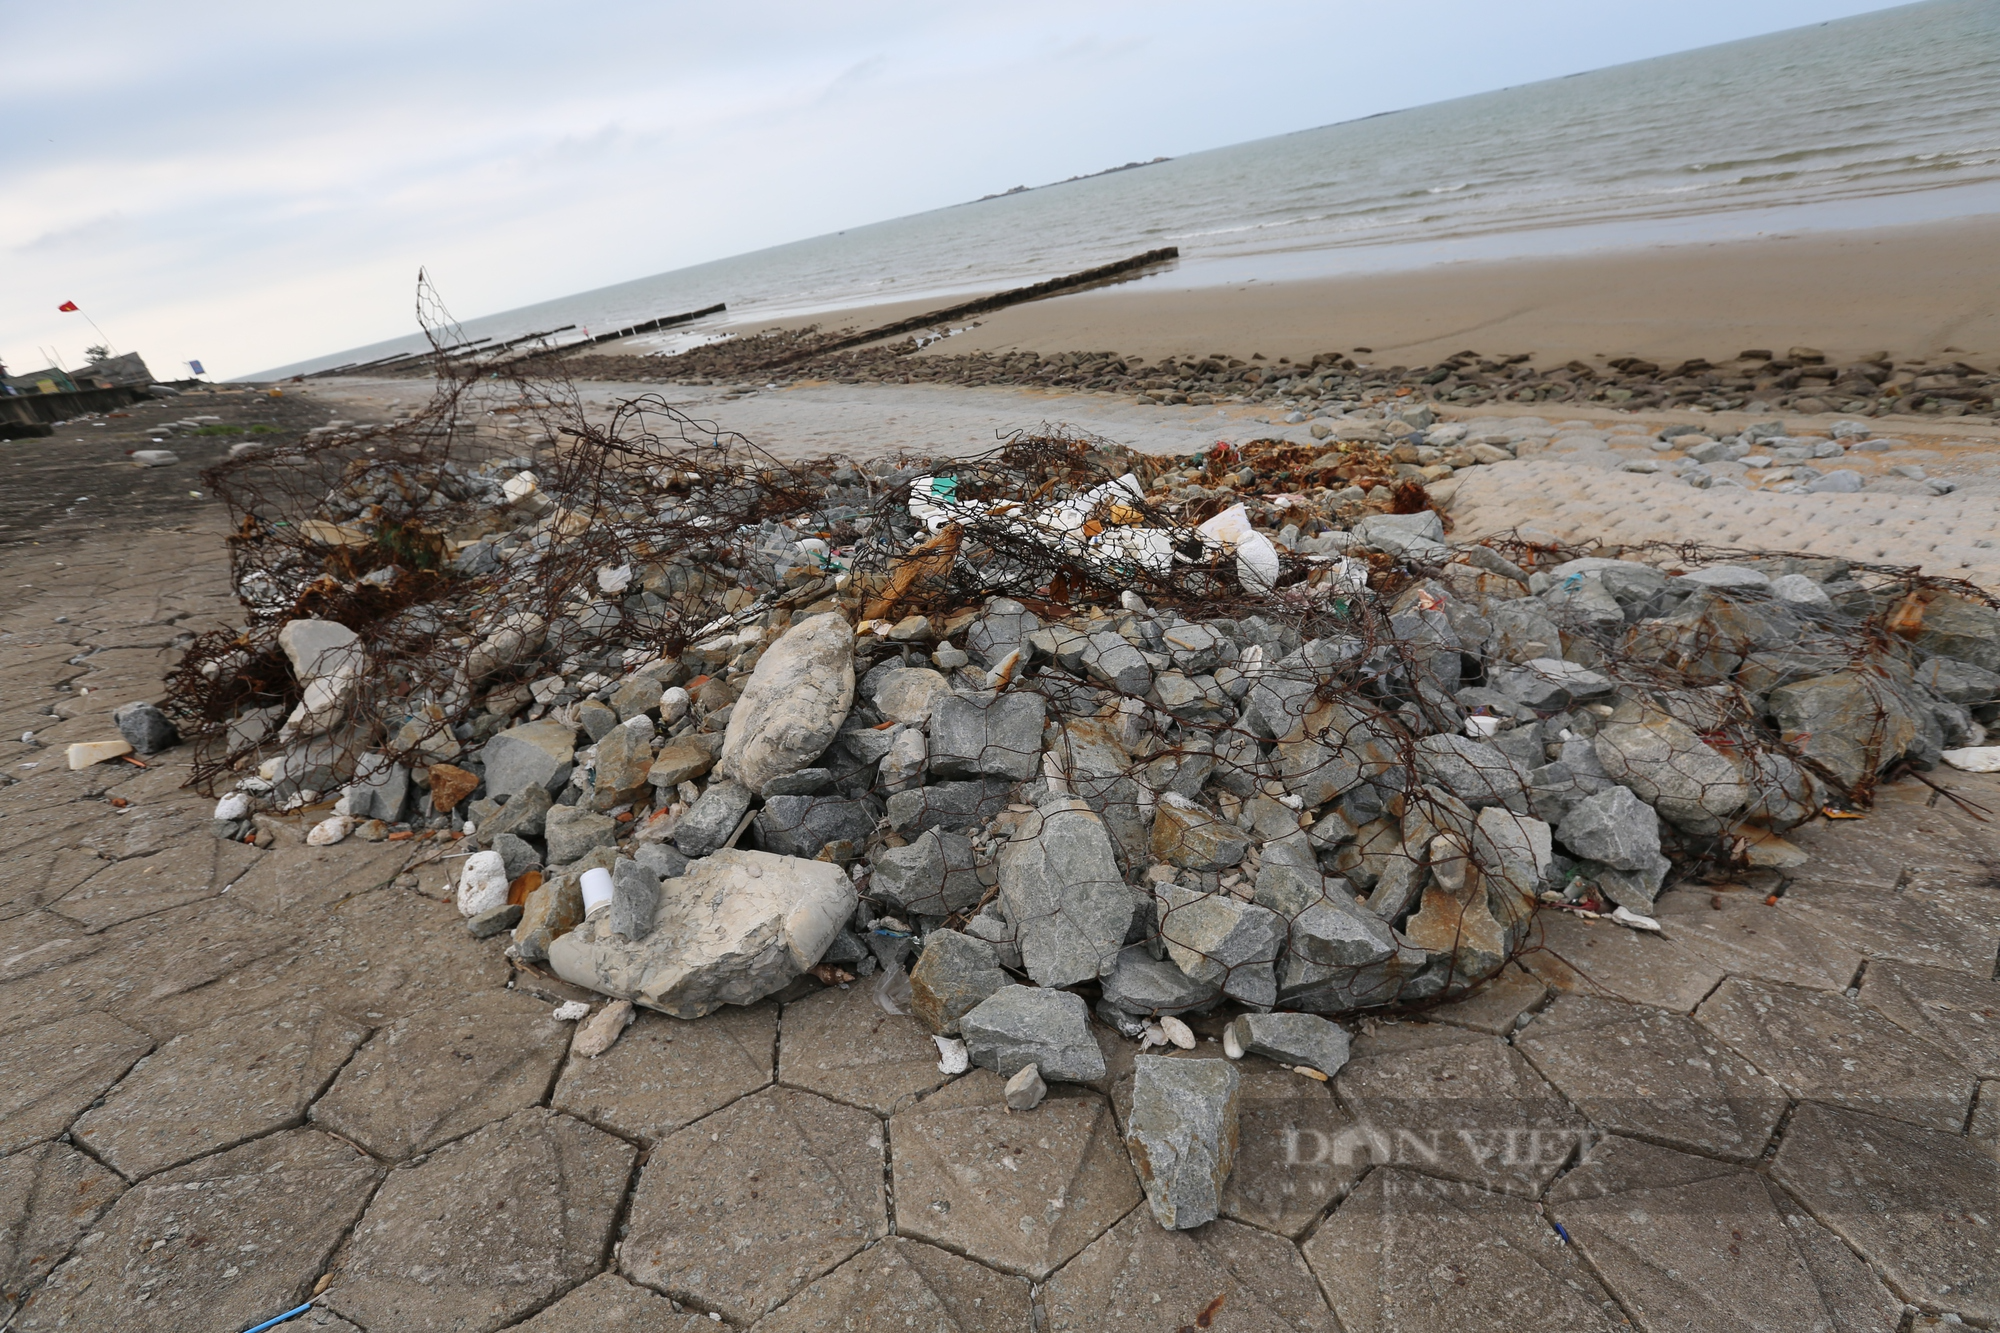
(573, 831)
(712, 820)
(1475, 772)
(1111, 660)
(1187, 835)
(678, 762)
(1030, 1025)
(1669, 767)
(535, 754)
(450, 784)
(1619, 832)
(550, 912)
(1549, 684)
(85, 753)
(601, 1032)
(328, 662)
(953, 976)
(804, 825)
(1145, 985)
(1853, 723)
(524, 816)
(737, 927)
(494, 920)
(932, 875)
(795, 700)
(638, 696)
(1001, 737)
(624, 763)
(907, 694)
(1064, 894)
(1293, 1039)
(635, 900)
(1223, 940)
(145, 728)
(1025, 1091)
(948, 805)
(1182, 1136)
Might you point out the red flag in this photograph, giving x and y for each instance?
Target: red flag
(68, 306)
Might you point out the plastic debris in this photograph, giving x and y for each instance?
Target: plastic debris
(952, 1056)
(1977, 759)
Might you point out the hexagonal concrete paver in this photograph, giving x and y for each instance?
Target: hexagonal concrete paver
(444, 1072)
(130, 967)
(1289, 1166)
(1746, 936)
(1139, 1277)
(1496, 1004)
(1599, 958)
(1954, 1010)
(843, 1045)
(738, 1211)
(668, 1072)
(183, 872)
(221, 1243)
(485, 1229)
(1471, 1110)
(1406, 1253)
(1020, 1191)
(609, 1304)
(1827, 1048)
(1909, 924)
(50, 1074)
(1646, 1071)
(903, 1284)
(50, 1196)
(1918, 1203)
(1687, 1242)
(377, 956)
(291, 879)
(231, 1081)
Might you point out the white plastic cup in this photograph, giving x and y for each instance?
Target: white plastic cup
(596, 890)
(1476, 726)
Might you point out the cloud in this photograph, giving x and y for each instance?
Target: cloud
(255, 184)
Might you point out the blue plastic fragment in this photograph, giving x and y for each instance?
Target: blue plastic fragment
(273, 1323)
(1552, 1222)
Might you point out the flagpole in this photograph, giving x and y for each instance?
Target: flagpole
(73, 306)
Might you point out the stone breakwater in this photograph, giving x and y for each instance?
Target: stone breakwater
(1801, 380)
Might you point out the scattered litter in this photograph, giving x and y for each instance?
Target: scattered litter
(569, 1011)
(1978, 759)
(952, 1057)
(1625, 916)
(1177, 1032)
(83, 754)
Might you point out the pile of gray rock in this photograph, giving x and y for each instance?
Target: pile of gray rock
(1025, 826)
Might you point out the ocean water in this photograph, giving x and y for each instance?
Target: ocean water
(1885, 118)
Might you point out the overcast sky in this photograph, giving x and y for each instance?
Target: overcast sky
(253, 184)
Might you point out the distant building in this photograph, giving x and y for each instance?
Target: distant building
(51, 380)
(117, 370)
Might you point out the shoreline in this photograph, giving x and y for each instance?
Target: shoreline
(1916, 291)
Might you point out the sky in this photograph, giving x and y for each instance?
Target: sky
(251, 185)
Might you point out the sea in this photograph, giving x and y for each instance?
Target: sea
(1884, 119)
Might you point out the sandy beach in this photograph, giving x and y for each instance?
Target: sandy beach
(1914, 292)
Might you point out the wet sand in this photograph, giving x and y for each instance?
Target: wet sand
(1914, 292)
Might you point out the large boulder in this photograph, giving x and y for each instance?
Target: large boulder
(736, 927)
(794, 703)
(1960, 629)
(955, 975)
(1061, 887)
(1475, 772)
(1854, 723)
(1693, 785)
(935, 874)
